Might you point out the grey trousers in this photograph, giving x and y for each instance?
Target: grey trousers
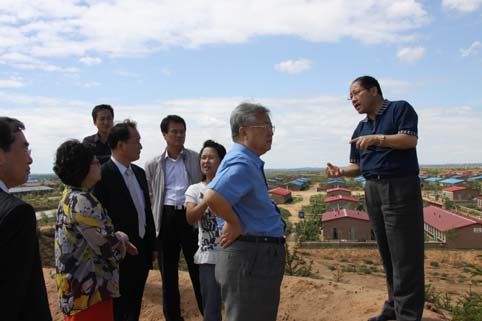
(250, 276)
(210, 292)
(396, 213)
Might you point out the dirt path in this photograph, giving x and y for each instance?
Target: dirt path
(296, 207)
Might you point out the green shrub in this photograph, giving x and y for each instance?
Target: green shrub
(295, 264)
(308, 229)
(468, 308)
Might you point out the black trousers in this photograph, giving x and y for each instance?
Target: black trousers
(396, 213)
(133, 272)
(175, 234)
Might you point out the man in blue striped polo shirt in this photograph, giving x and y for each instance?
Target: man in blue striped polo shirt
(383, 151)
(251, 266)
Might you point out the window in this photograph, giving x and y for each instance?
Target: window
(335, 233)
(477, 229)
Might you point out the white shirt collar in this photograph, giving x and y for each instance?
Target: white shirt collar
(166, 155)
(3, 186)
(119, 165)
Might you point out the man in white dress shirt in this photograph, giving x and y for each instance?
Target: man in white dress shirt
(123, 192)
(168, 176)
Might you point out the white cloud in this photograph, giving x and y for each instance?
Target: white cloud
(411, 54)
(11, 83)
(394, 87)
(127, 74)
(89, 61)
(23, 61)
(473, 50)
(91, 84)
(310, 131)
(127, 27)
(38, 101)
(462, 5)
(293, 66)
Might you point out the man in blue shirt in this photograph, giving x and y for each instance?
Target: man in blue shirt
(383, 151)
(251, 266)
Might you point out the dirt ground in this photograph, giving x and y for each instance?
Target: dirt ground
(347, 284)
(302, 299)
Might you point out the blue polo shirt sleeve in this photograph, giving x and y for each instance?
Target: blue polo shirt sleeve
(354, 152)
(407, 119)
(231, 182)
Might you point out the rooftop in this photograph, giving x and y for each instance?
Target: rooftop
(344, 213)
(336, 189)
(280, 191)
(453, 189)
(444, 220)
(340, 198)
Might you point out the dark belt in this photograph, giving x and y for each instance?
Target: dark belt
(175, 207)
(262, 239)
(381, 177)
(377, 177)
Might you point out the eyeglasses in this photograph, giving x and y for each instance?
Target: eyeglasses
(356, 93)
(267, 126)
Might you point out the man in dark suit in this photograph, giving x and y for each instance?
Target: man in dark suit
(22, 287)
(124, 193)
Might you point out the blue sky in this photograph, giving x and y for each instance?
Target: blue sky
(199, 59)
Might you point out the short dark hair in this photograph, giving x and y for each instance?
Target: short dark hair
(218, 147)
(8, 128)
(72, 162)
(120, 133)
(98, 108)
(171, 118)
(368, 82)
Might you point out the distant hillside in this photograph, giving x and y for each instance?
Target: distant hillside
(322, 169)
(300, 169)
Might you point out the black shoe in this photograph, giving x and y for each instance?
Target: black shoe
(382, 317)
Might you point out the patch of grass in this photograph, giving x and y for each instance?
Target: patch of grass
(350, 268)
(339, 275)
(327, 257)
(468, 308)
(365, 269)
(296, 265)
(434, 264)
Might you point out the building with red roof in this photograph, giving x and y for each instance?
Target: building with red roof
(337, 202)
(280, 195)
(338, 191)
(459, 193)
(346, 224)
(453, 230)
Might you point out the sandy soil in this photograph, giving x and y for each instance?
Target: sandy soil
(354, 298)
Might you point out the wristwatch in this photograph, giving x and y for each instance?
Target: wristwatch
(381, 138)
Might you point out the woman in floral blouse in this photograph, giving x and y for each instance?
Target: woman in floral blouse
(87, 250)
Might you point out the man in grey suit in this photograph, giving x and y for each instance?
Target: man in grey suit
(169, 175)
(22, 287)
